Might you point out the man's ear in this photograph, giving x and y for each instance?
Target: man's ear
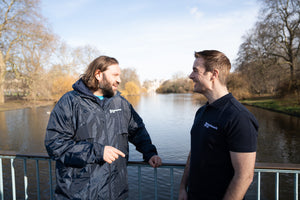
(98, 74)
(215, 74)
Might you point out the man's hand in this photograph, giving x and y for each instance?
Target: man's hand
(182, 194)
(155, 161)
(111, 154)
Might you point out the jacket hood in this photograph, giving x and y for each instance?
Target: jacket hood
(80, 87)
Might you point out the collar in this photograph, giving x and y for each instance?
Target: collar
(221, 101)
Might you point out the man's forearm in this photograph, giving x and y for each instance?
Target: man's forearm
(243, 164)
(238, 186)
(185, 176)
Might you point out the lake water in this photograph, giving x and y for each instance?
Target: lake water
(168, 119)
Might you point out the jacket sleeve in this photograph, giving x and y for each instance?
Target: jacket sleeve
(59, 141)
(138, 135)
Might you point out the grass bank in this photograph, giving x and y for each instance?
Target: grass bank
(288, 106)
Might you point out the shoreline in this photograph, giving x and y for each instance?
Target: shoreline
(273, 110)
(285, 106)
(22, 104)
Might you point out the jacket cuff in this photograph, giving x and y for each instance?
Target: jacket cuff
(98, 152)
(149, 155)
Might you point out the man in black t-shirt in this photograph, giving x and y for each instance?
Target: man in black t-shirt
(223, 137)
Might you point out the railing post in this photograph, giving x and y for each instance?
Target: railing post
(50, 179)
(296, 187)
(1, 181)
(258, 185)
(13, 178)
(172, 182)
(155, 183)
(140, 182)
(38, 179)
(25, 178)
(277, 186)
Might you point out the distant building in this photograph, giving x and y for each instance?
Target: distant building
(152, 85)
(14, 86)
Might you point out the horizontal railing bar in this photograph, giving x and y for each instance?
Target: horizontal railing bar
(180, 166)
(164, 164)
(258, 165)
(282, 171)
(24, 157)
(283, 166)
(27, 155)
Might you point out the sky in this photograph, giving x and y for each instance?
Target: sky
(157, 38)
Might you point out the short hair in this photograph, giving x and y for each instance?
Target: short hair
(214, 59)
(101, 63)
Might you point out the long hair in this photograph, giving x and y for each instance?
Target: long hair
(214, 59)
(101, 63)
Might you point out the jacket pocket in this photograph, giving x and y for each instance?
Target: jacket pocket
(88, 123)
(86, 132)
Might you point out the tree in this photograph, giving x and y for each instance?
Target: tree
(20, 24)
(177, 85)
(131, 88)
(30, 61)
(268, 55)
(127, 75)
(61, 85)
(253, 64)
(68, 64)
(83, 55)
(281, 23)
(238, 85)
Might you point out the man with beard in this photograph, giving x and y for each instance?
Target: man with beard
(88, 133)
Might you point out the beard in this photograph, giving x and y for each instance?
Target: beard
(106, 87)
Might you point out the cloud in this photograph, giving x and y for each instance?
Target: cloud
(195, 12)
(158, 49)
(160, 43)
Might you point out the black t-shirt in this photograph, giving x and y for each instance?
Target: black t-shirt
(220, 127)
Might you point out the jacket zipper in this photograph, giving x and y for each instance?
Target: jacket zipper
(107, 143)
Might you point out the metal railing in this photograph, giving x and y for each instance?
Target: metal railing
(277, 169)
(14, 172)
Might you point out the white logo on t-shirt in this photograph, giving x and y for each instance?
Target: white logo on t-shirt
(207, 125)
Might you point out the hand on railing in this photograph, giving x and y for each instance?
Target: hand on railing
(155, 161)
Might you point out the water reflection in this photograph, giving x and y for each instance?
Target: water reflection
(23, 130)
(278, 142)
(134, 100)
(279, 137)
(3, 131)
(168, 119)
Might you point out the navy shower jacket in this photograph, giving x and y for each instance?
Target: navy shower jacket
(79, 127)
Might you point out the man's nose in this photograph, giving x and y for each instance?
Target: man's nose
(119, 80)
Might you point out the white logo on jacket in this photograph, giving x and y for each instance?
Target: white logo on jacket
(207, 125)
(115, 110)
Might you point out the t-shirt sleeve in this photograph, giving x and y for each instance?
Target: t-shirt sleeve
(242, 133)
